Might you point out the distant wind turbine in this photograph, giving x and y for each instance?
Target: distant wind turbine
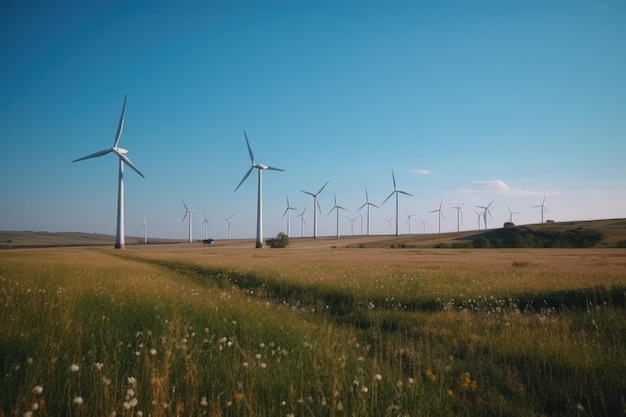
(440, 214)
(205, 223)
(302, 222)
(316, 205)
(123, 159)
(144, 226)
(228, 221)
(511, 213)
(352, 223)
(389, 221)
(337, 208)
(396, 192)
(361, 215)
(368, 204)
(288, 216)
(478, 219)
(408, 219)
(423, 225)
(189, 212)
(259, 207)
(543, 208)
(459, 213)
(485, 212)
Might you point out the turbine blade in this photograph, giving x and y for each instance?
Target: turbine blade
(120, 126)
(249, 148)
(324, 186)
(286, 210)
(364, 204)
(394, 179)
(374, 205)
(186, 208)
(319, 208)
(245, 177)
(404, 192)
(185, 216)
(392, 193)
(306, 192)
(94, 155)
(275, 169)
(129, 163)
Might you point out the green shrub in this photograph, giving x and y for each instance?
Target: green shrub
(280, 241)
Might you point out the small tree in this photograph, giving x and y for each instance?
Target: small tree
(280, 241)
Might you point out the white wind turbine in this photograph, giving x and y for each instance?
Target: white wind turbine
(205, 223)
(316, 204)
(396, 192)
(368, 204)
(288, 216)
(189, 212)
(123, 159)
(228, 221)
(389, 221)
(144, 226)
(423, 225)
(440, 214)
(543, 207)
(511, 213)
(361, 215)
(459, 212)
(408, 219)
(337, 208)
(485, 212)
(259, 206)
(478, 218)
(352, 223)
(302, 222)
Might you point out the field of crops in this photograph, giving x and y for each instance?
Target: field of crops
(314, 329)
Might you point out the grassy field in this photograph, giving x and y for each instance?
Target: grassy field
(320, 328)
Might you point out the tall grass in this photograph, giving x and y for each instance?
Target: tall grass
(165, 333)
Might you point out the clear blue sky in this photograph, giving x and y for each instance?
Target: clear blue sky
(465, 101)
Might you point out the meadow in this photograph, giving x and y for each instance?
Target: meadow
(320, 328)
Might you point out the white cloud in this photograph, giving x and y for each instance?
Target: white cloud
(420, 171)
(500, 187)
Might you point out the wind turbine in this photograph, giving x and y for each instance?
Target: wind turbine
(123, 159)
(361, 215)
(206, 226)
(485, 212)
(288, 216)
(478, 219)
(352, 223)
(302, 222)
(190, 212)
(389, 221)
(408, 219)
(511, 213)
(228, 220)
(396, 192)
(259, 206)
(459, 211)
(144, 226)
(337, 208)
(543, 207)
(316, 204)
(423, 225)
(368, 204)
(440, 214)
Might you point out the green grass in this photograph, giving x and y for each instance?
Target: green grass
(95, 332)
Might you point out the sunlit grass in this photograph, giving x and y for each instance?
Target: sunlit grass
(161, 331)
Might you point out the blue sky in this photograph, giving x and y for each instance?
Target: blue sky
(464, 101)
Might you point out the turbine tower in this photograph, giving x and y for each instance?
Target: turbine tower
(368, 204)
(408, 219)
(144, 226)
(459, 212)
(316, 204)
(302, 222)
(189, 212)
(440, 214)
(396, 192)
(543, 207)
(337, 208)
(259, 206)
(288, 216)
(228, 220)
(123, 159)
(485, 212)
(205, 223)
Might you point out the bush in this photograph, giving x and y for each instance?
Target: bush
(280, 241)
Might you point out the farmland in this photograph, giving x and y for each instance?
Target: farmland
(320, 328)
